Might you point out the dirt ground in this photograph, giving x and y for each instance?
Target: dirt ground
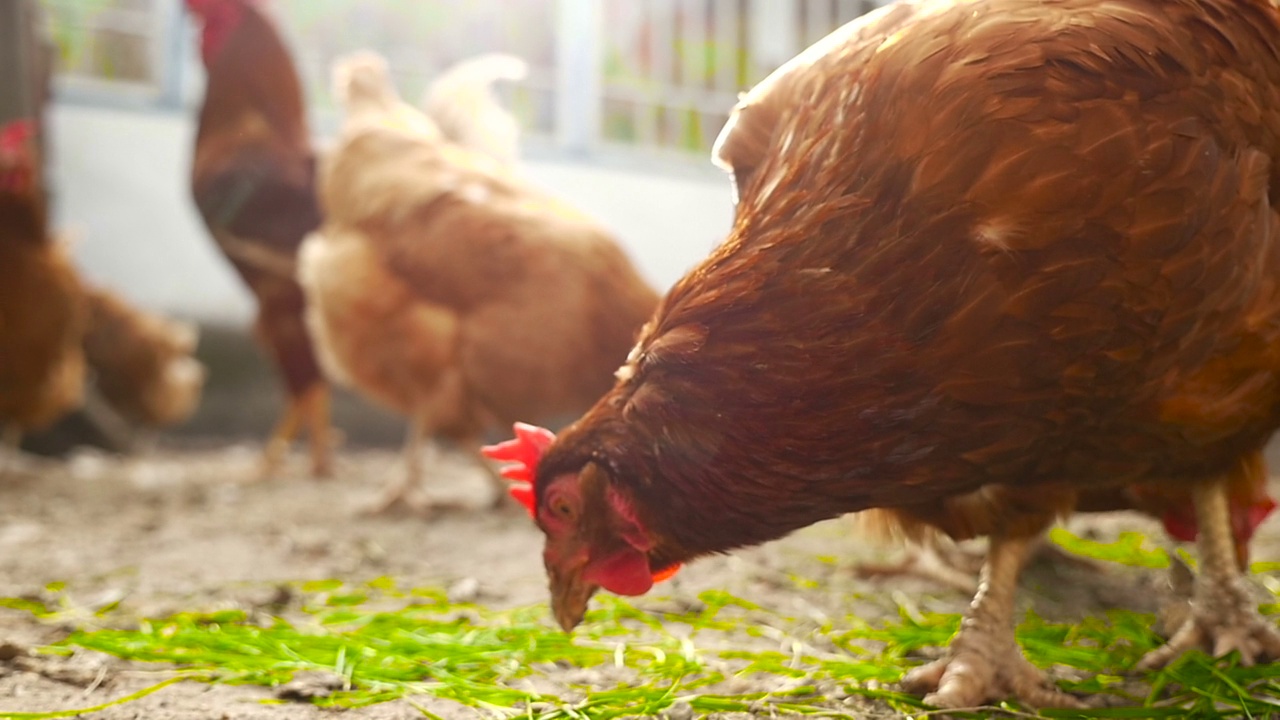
(180, 530)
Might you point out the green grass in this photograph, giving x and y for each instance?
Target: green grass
(1131, 548)
(385, 643)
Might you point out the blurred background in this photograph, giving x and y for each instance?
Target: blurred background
(619, 110)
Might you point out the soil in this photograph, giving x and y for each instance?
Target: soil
(180, 529)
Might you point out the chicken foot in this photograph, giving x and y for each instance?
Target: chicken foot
(1224, 616)
(983, 662)
(311, 408)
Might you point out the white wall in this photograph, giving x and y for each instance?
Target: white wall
(122, 192)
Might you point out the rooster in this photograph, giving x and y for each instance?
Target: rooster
(42, 306)
(1058, 279)
(444, 288)
(253, 180)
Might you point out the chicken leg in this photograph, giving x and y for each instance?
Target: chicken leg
(317, 413)
(312, 409)
(10, 446)
(934, 560)
(984, 662)
(419, 452)
(953, 566)
(407, 490)
(1224, 615)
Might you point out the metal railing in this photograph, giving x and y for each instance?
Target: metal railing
(658, 75)
(673, 68)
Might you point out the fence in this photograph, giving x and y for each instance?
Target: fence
(657, 75)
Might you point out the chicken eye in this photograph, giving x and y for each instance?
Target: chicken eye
(561, 509)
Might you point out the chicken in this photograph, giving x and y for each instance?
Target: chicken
(253, 180)
(42, 310)
(1058, 278)
(142, 375)
(143, 364)
(363, 95)
(445, 289)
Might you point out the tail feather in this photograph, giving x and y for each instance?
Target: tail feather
(362, 85)
(463, 105)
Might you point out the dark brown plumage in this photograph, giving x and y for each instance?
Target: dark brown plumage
(42, 306)
(987, 255)
(253, 179)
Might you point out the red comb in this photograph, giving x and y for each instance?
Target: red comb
(16, 133)
(522, 455)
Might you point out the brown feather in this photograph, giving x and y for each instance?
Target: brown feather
(987, 257)
(449, 289)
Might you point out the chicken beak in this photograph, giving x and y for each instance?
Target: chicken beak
(569, 597)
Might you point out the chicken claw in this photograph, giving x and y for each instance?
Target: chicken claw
(984, 670)
(1224, 616)
(984, 662)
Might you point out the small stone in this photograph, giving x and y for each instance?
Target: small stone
(679, 711)
(10, 651)
(466, 590)
(306, 686)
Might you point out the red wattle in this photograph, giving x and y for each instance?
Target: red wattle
(626, 572)
(666, 573)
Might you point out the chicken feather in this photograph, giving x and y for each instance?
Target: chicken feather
(989, 256)
(451, 291)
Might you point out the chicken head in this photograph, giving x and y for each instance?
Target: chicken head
(219, 18)
(594, 538)
(17, 157)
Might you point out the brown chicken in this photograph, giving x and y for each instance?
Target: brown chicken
(446, 289)
(42, 310)
(253, 179)
(1008, 251)
(143, 364)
